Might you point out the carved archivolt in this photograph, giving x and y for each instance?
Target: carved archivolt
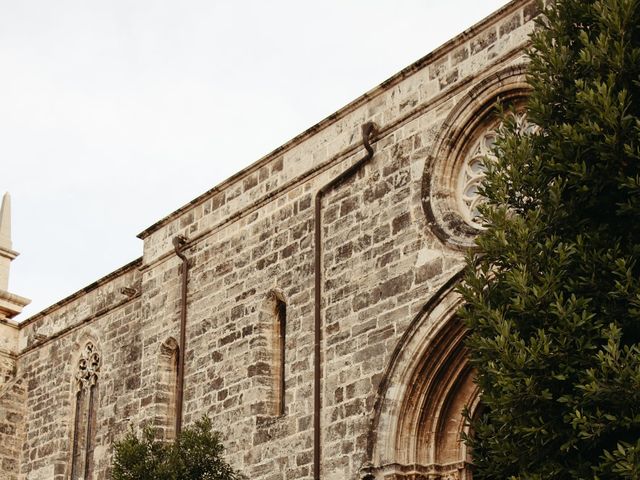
(454, 171)
(418, 425)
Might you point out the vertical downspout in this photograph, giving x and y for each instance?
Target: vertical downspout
(368, 130)
(179, 244)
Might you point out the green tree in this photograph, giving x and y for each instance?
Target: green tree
(196, 455)
(553, 291)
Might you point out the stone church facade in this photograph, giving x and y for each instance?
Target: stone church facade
(306, 304)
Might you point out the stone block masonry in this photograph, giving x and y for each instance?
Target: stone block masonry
(392, 245)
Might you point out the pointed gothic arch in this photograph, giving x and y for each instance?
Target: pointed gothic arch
(418, 422)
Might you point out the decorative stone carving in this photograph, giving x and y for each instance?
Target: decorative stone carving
(88, 367)
(472, 170)
(471, 175)
(454, 170)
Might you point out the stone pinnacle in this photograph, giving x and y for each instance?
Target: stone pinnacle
(5, 222)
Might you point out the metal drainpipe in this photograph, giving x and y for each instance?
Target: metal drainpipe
(179, 245)
(368, 130)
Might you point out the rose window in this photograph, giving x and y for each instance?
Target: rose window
(471, 176)
(472, 172)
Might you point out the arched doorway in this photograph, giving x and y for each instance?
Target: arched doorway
(418, 424)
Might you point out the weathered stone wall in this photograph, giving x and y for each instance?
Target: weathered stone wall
(249, 240)
(52, 343)
(12, 399)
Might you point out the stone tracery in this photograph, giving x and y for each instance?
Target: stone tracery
(454, 170)
(472, 175)
(472, 169)
(88, 367)
(86, 377)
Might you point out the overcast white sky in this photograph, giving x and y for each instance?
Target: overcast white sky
(115, 113)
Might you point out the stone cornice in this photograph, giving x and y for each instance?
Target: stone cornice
(331, 162)
(8, 253)
(80, 293)
(344, 111)
(11, 304)
(39, 342)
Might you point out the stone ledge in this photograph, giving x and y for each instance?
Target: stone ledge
(11, 304)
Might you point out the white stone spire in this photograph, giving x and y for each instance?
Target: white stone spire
(6, 253)
(5, 222)
(10, 304)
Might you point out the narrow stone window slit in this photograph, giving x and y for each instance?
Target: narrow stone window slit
(281, 332)
(167, 394)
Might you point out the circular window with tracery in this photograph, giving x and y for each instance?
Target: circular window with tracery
(455, 170)
(472, 170)
(471, 177)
